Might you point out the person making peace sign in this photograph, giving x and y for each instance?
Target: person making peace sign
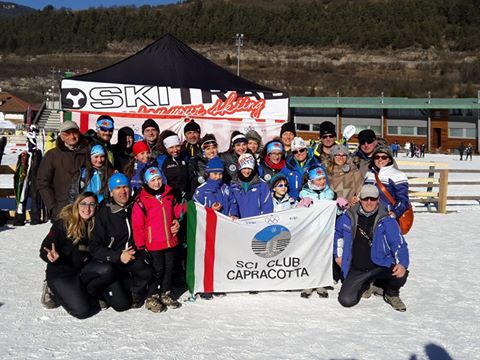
(65, 250)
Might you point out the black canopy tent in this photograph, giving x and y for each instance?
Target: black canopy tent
(175, 65)
(168, 81)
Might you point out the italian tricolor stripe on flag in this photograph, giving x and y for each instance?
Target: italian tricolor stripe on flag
(206, 242)
(291, 249)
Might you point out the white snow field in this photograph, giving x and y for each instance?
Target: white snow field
(441, 321)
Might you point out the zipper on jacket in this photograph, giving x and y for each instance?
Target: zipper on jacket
(149, 234)
(129, 233)
(167, 231)
(112, 239)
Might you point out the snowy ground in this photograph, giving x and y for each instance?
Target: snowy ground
(441, 296)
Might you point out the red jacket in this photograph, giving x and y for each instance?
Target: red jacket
(151, 225)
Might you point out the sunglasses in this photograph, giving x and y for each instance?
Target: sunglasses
(369, 198)
(369, 141)
(341, 155)
(92, 204)
(328, 136)
(104, 129)
(381, 157)
(298, 151)
(281, 185)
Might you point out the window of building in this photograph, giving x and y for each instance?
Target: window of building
(471, 133)
(407, 130)
(454, 132)
(393, 130)
(421, 131)
(303, 127)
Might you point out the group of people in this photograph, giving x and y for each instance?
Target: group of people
(413, 150)
(119, 210)
(467, 151)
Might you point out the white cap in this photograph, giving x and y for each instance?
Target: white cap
(298, 143)
(246, 161)
(368, 191)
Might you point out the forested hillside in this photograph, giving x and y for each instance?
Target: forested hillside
(303, 47)
(8, 9)
(441, 24)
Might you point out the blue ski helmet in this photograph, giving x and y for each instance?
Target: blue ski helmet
(118, 179)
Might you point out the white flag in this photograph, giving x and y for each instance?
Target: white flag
(287, 250)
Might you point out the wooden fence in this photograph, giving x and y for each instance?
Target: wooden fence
(435, 181)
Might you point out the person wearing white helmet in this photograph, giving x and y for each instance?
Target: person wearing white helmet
(297, 165)
(249, 194)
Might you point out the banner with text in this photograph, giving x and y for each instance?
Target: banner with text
(218, 112)
(286, 250)
(172, 102)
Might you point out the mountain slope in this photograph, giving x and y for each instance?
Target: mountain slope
(9, 10)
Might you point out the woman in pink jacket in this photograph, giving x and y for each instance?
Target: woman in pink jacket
(155, 229)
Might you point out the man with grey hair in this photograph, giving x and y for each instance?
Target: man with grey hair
(369, 247)
(60, 166)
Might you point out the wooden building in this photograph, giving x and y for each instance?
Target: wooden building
(13, 109)
(441, 124)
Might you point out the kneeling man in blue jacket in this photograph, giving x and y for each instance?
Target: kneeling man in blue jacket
(369, 247)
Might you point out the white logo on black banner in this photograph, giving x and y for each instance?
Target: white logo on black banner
(271, 241)
(74, 98)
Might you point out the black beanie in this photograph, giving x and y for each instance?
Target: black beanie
(191, 126)
(366, 135)
(288, 126)
(150, 123)
(326, 128)
(208, 138)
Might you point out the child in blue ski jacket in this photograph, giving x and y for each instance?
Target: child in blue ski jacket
(317, 187)
(249, 194)
(214, 193)
(94, 176)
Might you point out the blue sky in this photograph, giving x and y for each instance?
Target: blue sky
(85, 4)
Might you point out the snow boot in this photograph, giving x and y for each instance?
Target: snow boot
(137, 301)
(19, 220)
(167, 300)
(322, 292)
(206, 296)
(372, 290)
(48, 299)
(306, 293)
(154, 304)
(103, 304)
(395, 302)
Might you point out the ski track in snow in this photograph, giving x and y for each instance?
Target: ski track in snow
(441, 297)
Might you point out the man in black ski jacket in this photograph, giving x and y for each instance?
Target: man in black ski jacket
(122, 271)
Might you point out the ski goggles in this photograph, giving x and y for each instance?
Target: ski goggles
(105, 129)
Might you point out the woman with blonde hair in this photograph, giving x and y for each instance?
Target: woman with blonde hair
(65, 250)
